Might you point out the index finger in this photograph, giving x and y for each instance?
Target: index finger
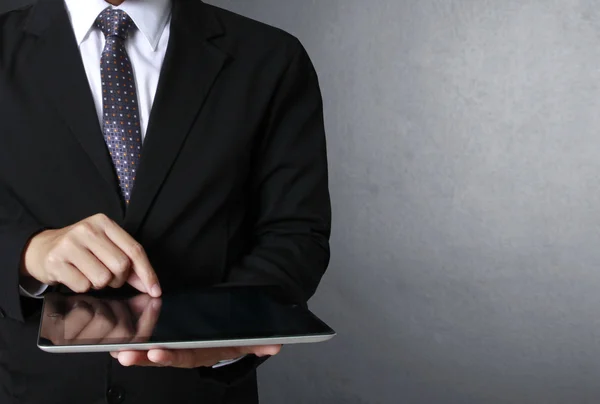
(140, 264)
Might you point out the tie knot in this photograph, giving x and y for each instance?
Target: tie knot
(114, 23)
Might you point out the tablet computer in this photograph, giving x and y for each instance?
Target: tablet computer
(204, 318)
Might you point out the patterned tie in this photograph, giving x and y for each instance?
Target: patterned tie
(121, 122)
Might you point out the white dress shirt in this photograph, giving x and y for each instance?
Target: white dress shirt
(146, 46)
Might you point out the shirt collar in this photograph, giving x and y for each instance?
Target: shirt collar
(149, 16)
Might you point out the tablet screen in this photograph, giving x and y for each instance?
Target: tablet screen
(201, 315)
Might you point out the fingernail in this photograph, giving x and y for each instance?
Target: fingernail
(156, 291)
(156, 304)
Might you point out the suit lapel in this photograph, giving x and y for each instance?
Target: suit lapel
(56, 64)
(191, 66)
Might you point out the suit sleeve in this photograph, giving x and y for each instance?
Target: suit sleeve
(290, 197)
(291, 203)
(16, 229)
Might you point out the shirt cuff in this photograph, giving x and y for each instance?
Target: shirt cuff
(30, 287)
(228, 362)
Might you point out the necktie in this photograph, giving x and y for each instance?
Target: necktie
(121, 122)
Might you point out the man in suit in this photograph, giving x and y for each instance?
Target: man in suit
(152, 143)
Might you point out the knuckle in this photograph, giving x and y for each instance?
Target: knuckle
(66, 243)
(101, 218)
(86, 229)
(120, 265)
(136, 250)
(53, 260)
(102, 280)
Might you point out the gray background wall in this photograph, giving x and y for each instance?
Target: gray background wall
(464, 140)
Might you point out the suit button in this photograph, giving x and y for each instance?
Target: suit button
(2, 313)
(115, 395)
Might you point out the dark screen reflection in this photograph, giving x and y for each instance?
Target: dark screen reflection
(209, 314)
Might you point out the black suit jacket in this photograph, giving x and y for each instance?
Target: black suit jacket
(232, 186)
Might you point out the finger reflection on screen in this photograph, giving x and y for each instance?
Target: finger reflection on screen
(83, 319)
